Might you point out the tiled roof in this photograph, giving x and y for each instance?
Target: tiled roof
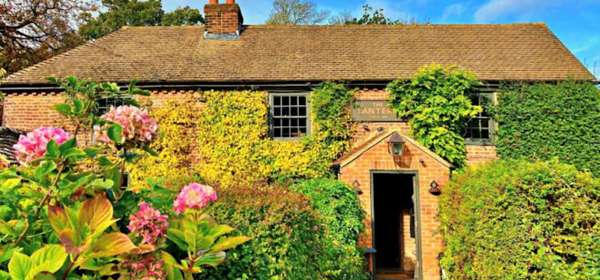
(313, 53)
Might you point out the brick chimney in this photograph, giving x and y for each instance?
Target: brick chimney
(223, 21)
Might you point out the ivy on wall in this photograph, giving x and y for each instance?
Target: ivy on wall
(227, 141)
(543, 121)
(437, 105)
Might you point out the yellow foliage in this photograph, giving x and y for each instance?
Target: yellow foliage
(178, 122)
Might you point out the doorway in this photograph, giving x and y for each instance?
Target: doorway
(395, 224)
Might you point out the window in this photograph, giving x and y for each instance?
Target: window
(480, 128)
(289, 115)
(104, 104)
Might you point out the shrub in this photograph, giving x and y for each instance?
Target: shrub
(437, 104)
(520, 220)
(542, 121)
(340, 212)
(286, 235)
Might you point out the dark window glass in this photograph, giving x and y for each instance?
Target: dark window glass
(104, 104)
(289, 118)
(478, 128)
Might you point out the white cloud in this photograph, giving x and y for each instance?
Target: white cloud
(495, 9)
(454, 10)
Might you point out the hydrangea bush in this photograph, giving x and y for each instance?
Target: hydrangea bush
(66, 211)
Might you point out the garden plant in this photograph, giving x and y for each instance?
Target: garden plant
(67, 212)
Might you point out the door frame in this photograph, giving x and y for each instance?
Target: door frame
(417, 205)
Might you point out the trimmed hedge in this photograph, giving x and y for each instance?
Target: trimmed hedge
(542, 121)
(520, 220)
(340, 212)
(286, 235)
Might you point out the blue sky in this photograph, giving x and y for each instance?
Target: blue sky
(575, 22)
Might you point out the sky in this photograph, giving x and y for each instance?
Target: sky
(575, 22)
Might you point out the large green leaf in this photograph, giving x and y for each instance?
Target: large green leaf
(9, 184)
(57, 216)
(210, 259)
(115, 133)
(227, 243)
(177, 237)
(49, 258)
(19, 266)
(44, 169)
(52, 150)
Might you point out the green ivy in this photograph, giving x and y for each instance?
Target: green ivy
(437, 105)
(521, 220)
(543, 121)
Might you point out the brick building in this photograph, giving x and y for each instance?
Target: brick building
(398, 192)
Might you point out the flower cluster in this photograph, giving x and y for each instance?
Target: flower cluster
(194, 196)
(137, 124)
(148, 223)
(146, 268)
(33, 145)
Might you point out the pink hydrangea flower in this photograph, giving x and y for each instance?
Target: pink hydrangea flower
(146, 268)
(194, 196)
(136, 123)
(148, 223)
(33, 145)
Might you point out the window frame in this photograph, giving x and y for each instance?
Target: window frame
(271, 113)
(490, 141)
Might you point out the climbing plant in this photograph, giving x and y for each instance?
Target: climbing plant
(437, 104)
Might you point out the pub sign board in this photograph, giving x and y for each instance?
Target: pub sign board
(373, 111)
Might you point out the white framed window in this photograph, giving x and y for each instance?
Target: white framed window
(289, 115)
(480, 129)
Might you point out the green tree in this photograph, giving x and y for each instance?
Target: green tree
(135, 13)
(296, 12)
(437, 105)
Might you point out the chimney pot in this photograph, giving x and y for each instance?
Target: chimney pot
(213, 2)
(230, 1)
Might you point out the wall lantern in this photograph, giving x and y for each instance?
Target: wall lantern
(434, 188)
(396, 145)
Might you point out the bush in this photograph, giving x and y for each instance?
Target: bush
(340, 212)
(521, 220)
(542, 121)
(286, 235)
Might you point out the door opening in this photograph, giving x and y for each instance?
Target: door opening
(394, 223)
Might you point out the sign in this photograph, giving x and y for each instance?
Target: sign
(373, 111)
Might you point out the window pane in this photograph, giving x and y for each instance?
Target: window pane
(285, 111)
(277, 132)
(294, 111)
(302, 122)
(302, 100)
(277, 111)
(276, 122)
(302, 111)
(285, 100)
(276, 100)
(294, 100)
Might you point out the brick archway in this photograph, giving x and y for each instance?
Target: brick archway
(357, 167)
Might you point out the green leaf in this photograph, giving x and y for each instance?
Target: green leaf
(115, 133)
(44, 169)
(91, 152)
(52, 150)
(78, 106)
(19, 266)
(228, 243)
(97, 213)
(210, 259)
(66, 146)
(177, 237)
(9, 184)
(63, 108)
(49, 258)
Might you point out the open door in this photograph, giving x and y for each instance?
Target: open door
(395, 226)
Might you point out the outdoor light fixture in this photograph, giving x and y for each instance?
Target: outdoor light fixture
(396, 145)
(356, 186)
(434, 188)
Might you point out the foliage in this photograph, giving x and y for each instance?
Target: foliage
(341, 214)
(34, 30)
(286, 235)
(296, 12)
(78, 197)
(542, 121)
(234, 144)
(371, 15)
(437, 105)
(178, 121)
(118, 13)
(521, 220)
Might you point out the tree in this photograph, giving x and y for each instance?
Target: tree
(33, 30)
(373, 16)
(135, 13)
(296, 12)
